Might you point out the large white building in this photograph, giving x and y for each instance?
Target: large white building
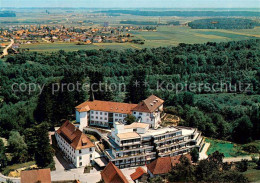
(137, 144)
(75, 145)
(106, 113)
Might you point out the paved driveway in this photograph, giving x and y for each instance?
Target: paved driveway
(67, 171)
(5, 178)
(61, 163)
(203, 153)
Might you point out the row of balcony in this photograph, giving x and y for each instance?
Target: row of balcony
(174, 151)
(171, 145)
(134, 149)
(135, 155)
(171, 134)
(167, 139)
(130, 143)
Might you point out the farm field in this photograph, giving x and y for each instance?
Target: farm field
(164, 36)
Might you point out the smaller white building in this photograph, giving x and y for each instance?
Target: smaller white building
(75, 145)
(149, 111)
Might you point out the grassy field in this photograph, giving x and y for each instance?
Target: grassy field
(14, 167)
(229, 149)
(252, 173)
(164, 36)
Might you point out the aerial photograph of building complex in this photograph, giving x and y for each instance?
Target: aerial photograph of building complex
(117, 91)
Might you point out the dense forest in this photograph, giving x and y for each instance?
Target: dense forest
(223, 23)
(183, 13)
(7, 14)
(228, 114)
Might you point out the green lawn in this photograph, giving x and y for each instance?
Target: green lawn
(229, 149)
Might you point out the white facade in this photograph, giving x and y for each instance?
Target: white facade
(153, 118)
(82, 118)
(79, 158)
(98, 118)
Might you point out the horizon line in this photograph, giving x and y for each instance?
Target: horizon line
(136, 7)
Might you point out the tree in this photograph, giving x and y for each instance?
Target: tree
(242, 166)
(194, 155)
(183, 171)
(44, 152)
(31, 138)
(157, 179)
(130, 119)
(98, 91)
(136, 89)
(216, 157)
(3, 158)
(18, 147)
(44, 109)
(243, 130)
(258, 164)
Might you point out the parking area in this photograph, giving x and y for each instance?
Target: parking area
(67, 171)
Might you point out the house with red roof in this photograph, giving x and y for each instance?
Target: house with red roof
(36, 176)
(163, 165)
(112, 174)
(75, 145)
(138, 175)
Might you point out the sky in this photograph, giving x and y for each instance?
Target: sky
(133, 3)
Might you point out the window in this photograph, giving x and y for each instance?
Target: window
(120, 115)
(140, 113)
(125, 115)
(105, 113)
(101, 118)
(90, 156)
(105, 118)
(100, 113)
(134, 112)
(96, 117)
(80, 164)
(96, 112)
(92, 112)
(147, 114)
(116, 114)
(92, 117)
(116, 119)
(79, 151)
(80, 158)
(90, 149)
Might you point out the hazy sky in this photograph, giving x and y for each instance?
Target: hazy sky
(133, 3)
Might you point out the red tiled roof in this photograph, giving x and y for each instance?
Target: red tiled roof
(160, 166)
(74, 136)
(107, 106)
(138, 173)
(164, 165)
(35, 176)
(149, 105)
(112, 174)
